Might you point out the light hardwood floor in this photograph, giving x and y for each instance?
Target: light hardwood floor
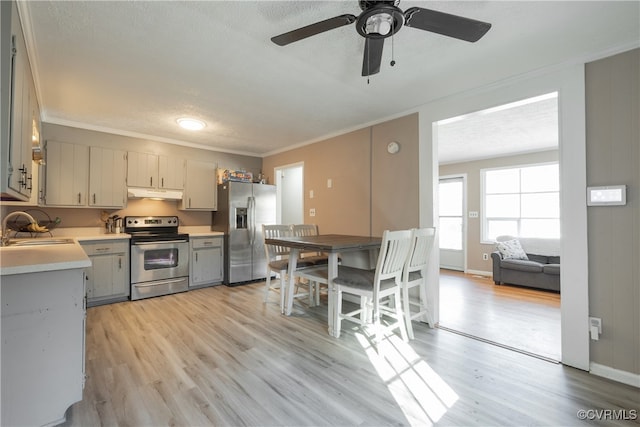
(219, 356)
(522, 318)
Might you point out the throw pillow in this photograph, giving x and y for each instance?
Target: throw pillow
(511, 249)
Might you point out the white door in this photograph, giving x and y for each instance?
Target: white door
(290, 194)
(452, 223)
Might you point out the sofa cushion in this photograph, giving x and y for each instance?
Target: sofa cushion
(554, 260)
(511, 249)
(542, 259)
(551, 269)
(522, 265)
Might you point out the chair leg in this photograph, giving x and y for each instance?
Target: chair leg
(337, 312)
(267, 287)
(407, 310)
(283, 290)
(400, 316)
(423, 305)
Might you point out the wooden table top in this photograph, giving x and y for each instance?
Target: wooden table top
(328, 242)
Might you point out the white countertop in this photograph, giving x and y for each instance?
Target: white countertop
(34, 259)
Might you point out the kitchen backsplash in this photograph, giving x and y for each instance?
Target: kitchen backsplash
(74, 217)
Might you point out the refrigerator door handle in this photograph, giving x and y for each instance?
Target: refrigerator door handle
(252, 220)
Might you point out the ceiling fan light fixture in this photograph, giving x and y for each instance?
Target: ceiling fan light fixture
(380, 24)
(191, 124)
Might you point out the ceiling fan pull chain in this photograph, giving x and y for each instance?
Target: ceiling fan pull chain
(393, 61)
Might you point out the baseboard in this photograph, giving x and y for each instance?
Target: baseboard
(488, 274)
(615, 374)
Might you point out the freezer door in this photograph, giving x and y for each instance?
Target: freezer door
(240, 249)
(265, 213)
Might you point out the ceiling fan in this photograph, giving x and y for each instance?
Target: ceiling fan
(382, 19)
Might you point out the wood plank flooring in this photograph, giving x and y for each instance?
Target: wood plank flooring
(522, 318)
(220, 357)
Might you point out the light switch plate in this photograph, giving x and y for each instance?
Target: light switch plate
(610, 195)
(473, 214)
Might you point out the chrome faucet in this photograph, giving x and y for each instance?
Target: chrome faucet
(5, 229)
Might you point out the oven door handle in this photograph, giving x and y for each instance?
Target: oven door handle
(158, 242)
(158, 283)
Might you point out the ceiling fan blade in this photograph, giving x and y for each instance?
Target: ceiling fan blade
(313, 29)
(443, 23)
(372, 56)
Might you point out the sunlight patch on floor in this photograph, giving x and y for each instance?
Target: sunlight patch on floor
(420, 392)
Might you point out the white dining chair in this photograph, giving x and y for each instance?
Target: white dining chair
(414, 274)
(317, 275)
(277, 259)
(374, 287)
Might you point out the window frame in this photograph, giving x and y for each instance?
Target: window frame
(484, 224)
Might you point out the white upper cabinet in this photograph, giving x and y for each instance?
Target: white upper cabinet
(170, 173)
(200, 188)
(67, 174)
(106, 178)
(142, 170)
(161, 172)
(78, 176)
(17, 132)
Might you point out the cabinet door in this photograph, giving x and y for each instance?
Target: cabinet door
(207, 265)
(67, 174)
(19, 97)
(200, 189)
(142, 170)
(170, 173)
(107, 178)
(108, 277)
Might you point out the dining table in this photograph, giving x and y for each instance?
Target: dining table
(331, 244)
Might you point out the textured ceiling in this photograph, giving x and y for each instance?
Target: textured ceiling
(133, 68)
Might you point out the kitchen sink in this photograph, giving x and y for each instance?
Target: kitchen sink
(40, 242)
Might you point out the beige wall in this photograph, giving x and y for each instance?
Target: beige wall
(89, 217)
(372, 190)
(613, 157)
(475, 248)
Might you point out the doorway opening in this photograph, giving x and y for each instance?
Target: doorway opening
(290, 193)
(509, 136)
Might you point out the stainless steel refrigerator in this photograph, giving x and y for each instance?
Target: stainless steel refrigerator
(242, 209)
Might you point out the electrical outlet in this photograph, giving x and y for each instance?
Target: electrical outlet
(485, 257)
(312, 212)
(596, 322)
(473, 214)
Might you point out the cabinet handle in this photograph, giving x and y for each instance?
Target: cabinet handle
(119, 263)
(162, 182)
(79, 195)
(151, 181)
(189, 201)
(30, 179)
(94, 198)
(196, 256)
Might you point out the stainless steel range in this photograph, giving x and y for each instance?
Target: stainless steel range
(159, 256)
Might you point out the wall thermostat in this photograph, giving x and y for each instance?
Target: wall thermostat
(610, 195)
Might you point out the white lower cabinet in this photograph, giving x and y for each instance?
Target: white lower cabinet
(43, 329)
(108, 277)
(206, 261)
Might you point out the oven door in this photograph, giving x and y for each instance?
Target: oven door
(159, 260)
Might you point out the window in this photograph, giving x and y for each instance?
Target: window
(522, 201)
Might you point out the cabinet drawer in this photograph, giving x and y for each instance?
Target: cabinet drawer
(208, 242)
(105, 247)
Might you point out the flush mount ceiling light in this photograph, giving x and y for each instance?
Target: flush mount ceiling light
(191, 124)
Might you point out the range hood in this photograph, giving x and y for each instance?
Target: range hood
(150, 193)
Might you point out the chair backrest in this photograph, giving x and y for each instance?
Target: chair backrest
(421, 245)
(303, 230)
(274, 231)
(394, 251)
